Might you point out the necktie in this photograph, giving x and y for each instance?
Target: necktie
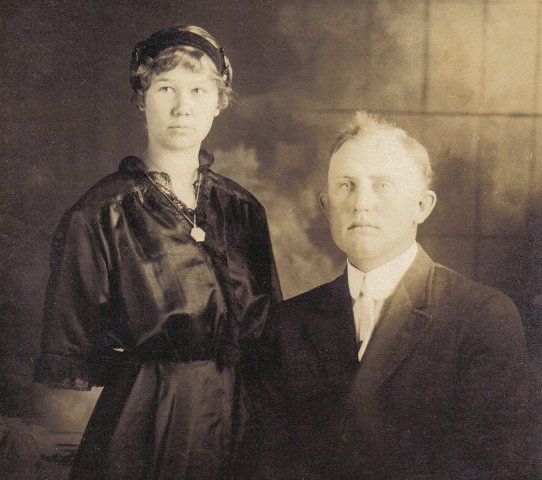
(364, 318)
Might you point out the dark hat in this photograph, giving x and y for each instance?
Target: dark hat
(175, 37)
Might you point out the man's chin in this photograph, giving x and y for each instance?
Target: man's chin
(362, 253)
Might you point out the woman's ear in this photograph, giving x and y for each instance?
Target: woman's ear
(139, 100)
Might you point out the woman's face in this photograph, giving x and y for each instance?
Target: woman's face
(180, 106)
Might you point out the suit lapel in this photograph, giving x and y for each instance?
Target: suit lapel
(332, 334)
(404, 319)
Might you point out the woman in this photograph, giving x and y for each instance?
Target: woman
(162, 275)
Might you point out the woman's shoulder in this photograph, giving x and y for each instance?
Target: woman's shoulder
(231, 187)
(111, 189)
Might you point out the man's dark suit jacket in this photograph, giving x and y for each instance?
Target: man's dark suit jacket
(440, 393)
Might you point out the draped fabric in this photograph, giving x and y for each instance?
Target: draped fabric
(163, 323)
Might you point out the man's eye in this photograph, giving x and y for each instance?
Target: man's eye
(346, 186)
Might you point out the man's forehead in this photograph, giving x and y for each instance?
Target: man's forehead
(372, 152)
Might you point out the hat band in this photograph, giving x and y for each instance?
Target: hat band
(153, 46)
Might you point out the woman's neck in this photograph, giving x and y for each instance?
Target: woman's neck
(180, 166)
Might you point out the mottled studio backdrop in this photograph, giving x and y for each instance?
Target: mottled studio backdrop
(464, 77)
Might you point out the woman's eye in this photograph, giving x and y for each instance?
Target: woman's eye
(198, 90)
(166, 89)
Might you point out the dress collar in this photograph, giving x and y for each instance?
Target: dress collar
(136, 164)
(382, 281)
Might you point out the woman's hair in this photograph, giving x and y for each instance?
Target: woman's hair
(191, 47)
(363, 123)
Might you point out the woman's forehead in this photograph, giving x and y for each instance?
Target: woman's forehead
(183, 73)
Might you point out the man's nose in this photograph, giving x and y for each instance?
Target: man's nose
(364, 198)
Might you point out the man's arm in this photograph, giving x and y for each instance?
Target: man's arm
(492, 414)
(268, 450)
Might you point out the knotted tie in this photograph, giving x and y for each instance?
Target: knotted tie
(364, 317)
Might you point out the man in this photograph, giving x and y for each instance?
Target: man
(400, 368)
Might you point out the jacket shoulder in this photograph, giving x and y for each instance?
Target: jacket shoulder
(469, 299)
(305, 303)
(459, 286)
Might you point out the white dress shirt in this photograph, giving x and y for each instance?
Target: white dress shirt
(380, 282)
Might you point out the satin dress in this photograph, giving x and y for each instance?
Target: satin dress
(165, 324)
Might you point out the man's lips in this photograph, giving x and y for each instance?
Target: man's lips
(362, 226)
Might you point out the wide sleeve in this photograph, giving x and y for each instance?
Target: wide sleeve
(77, 293)
(252, 270)
(261, 257)
(492, 411)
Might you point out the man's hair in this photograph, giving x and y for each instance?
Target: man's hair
(364, 123)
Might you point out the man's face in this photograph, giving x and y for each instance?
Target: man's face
(376, 199)
(180, 106)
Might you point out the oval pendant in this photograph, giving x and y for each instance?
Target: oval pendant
(197, 234)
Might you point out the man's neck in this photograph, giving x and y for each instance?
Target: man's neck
(383, 279)
(366, 265)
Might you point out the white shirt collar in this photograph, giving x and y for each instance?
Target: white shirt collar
(382, 281)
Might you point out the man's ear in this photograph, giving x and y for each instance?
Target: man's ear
(323, 201)
(426, 205)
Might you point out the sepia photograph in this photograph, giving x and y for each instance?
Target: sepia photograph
(271, 239)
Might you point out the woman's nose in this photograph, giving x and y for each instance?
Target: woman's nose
(181, 105)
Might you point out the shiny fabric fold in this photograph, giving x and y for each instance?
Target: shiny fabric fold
(132, 300)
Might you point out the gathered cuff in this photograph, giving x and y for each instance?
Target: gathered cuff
(61, 372)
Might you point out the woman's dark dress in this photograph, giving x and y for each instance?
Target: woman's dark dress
(135, 305)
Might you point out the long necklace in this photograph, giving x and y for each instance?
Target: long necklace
(197, 234)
